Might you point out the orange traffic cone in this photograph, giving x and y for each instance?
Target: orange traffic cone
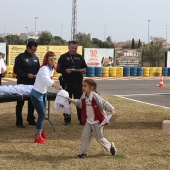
(161, 83)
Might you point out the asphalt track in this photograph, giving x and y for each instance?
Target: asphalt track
(143, 90)
(139, 89)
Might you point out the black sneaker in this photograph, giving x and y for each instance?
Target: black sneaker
(81, 155)
(32, 123)
(20, 126)
(80, 123)
(66, 123)
(113, 150)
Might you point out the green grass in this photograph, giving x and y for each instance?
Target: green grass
(160, 154)
(167, 85)
(135, 129)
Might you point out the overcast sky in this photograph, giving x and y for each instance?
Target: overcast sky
(120, 19)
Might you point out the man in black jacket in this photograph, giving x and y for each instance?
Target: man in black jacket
(26, 67)
(69, 65)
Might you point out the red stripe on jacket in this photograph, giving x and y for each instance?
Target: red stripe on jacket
(98, 114)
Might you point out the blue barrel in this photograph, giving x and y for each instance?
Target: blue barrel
(98, 72)
(165, 71)
(139, 71)
(90, 71)
(168, 71)
(133, 71)
(126, 71)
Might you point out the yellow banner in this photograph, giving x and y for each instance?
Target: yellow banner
(41, 51)
(15, 50)
(59, 50)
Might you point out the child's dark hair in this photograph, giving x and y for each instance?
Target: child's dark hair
(91, 83)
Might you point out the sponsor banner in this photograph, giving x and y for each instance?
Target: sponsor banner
(99, 57)
(41, 51)
(59, 50)
(15, 50)
(126, 57)
(3, 51)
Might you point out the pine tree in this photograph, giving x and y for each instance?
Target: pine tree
(133, 44)
(139, 44)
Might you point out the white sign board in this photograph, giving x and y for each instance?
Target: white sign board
(99, 56)
(168, 59)
(3, 50)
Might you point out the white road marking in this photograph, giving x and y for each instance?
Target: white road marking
(142, 94)
(122, 96)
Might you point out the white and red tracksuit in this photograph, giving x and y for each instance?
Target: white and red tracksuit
(93, 113)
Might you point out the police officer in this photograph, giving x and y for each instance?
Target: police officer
(69, 65)
(26, 67)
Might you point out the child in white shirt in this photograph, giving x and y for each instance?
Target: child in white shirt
(93, 108)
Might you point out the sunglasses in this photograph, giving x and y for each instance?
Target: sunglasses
(53, 58)
(33, 50)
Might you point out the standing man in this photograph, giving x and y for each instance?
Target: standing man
(72, 78)
(26, 67)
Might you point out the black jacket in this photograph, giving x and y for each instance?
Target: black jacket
(26, 63)
(65, 62)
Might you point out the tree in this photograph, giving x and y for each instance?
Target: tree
(58, 41)
(14, 40)
(96, 42)
(154, 52)
(45, 38)
(133, 44)
(2, 39)
(109, 39)
(127, 46)
(107, 44)
(84, 40)
(101, 44)
(139, 44)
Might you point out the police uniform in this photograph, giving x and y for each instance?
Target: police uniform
(72, 82)
(25, 63)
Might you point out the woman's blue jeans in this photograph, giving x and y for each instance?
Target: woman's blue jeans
(40, 107)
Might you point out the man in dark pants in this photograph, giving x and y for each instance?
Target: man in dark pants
(26, 67)
(71, 80)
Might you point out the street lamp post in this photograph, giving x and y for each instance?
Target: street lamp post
(61, 30)
(27, 34)
(4, 31)
(104, 32)
(166, 33)
(35, 27)
(148, 30)
(166, 36)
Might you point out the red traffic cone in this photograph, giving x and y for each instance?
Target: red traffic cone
(161, 83)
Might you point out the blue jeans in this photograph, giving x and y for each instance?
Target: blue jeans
(40, 107)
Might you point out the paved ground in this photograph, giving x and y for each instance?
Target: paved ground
(102, 78)
(143, 89)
